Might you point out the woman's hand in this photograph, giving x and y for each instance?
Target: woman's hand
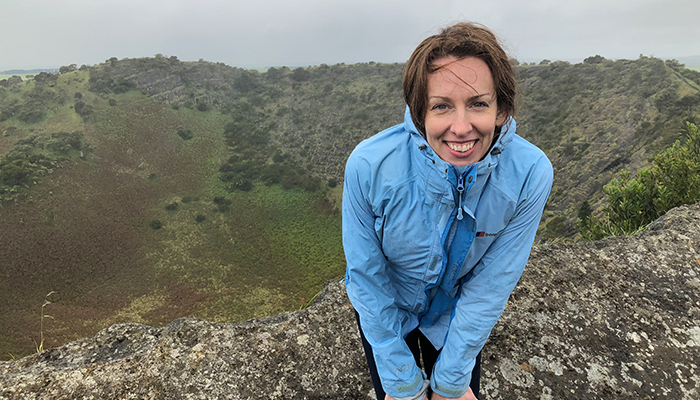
(467, 396)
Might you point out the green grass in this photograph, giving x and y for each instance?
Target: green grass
(271, 252)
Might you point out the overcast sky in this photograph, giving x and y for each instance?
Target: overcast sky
(260, 33)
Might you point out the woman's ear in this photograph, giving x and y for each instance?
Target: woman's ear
(501, 118)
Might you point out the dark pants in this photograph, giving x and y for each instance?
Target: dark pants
(420, 346)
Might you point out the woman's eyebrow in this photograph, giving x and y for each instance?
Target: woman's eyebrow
(478, 96)
(491, 95)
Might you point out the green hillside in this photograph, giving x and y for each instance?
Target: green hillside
(599, 117)
(142, 190)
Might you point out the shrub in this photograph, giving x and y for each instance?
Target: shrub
(672, 180)
(28, 160)
(172, 206)
(219, 200)
(155, 224)
(16, 174)
(82, 109)
(122, 85)
(301, 74)
(185, 134)
(87, 111)
(78, 106)
(279, 157)
(31, 115)
(64, 141)
(100, 81)
(200, 218)
(67, 68)
(596, 59)
(245, 185)
(44, 77)
(112, 102)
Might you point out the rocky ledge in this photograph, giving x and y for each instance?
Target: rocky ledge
(615, 319)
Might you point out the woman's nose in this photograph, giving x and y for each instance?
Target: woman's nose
(461, 124)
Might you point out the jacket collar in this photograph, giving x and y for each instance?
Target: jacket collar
(484, 166)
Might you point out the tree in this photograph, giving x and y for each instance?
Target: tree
(246, 82)
(301, 74)
(584, 211)
(596, 59)
(82, 109)
(67, 68)
(273, 74)
(42, 77)
(688, 103)
(63, 141)
(675, 64)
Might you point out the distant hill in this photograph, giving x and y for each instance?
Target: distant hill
(27, 71)
(692, 62)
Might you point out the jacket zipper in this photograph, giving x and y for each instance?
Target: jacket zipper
(460, 194)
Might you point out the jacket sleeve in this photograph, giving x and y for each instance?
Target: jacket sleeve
(485, 290)
(369, 287)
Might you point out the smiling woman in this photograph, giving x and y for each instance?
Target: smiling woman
(439, 214)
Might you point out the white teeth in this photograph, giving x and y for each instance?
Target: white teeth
(461, 147)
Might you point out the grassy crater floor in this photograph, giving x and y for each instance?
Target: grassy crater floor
(86, 233)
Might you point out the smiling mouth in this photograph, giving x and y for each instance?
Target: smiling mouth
(462, 148)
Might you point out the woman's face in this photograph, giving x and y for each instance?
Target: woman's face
(462, 110)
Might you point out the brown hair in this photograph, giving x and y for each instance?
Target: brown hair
(464, 39)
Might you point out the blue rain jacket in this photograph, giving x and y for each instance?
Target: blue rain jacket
(397, 201)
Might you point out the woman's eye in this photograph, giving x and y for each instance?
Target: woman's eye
(440, 107)
(480, 104)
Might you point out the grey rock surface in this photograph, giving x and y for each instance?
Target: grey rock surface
(615, 319)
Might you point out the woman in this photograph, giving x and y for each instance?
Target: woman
(439, 216)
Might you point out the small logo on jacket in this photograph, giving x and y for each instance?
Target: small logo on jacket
(486, 234)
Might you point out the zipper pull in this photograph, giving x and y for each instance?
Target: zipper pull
(460, 193)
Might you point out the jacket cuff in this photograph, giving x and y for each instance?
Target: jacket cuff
(420, 395)
(450, 391)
